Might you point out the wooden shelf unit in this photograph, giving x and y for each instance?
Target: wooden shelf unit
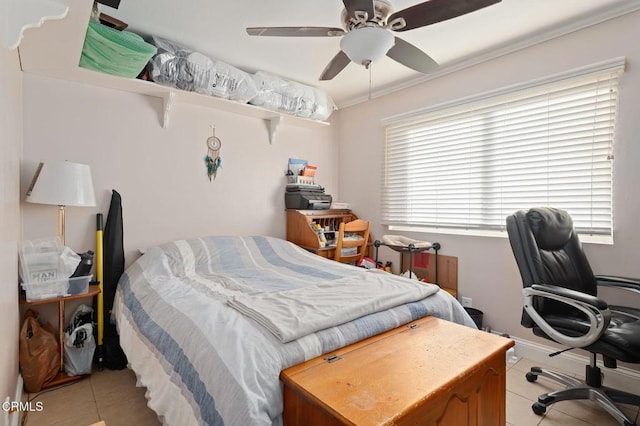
(61, 377)
(301, 232)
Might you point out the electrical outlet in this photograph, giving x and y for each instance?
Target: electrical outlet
(467, 302)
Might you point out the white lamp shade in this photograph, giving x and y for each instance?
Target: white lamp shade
(366, 45)
(63, 184)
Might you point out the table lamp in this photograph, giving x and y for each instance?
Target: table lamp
(62, 184)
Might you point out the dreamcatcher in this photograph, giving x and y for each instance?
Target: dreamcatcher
(212, 160)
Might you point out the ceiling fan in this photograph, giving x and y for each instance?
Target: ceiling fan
(367, 34)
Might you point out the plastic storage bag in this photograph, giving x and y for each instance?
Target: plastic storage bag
(79, 343)
(40, 260)
(79, 347)
(278, 94)
(82, 315)
(39, 354)
(177, 66)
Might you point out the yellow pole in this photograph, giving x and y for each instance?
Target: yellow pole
(99, 274)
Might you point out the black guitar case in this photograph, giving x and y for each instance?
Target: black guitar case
(113, 249)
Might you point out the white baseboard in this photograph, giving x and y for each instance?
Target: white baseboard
(13, 418)
(619, 378)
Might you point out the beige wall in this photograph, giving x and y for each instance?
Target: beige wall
(487, 271)
(10, 151)
(159, 172)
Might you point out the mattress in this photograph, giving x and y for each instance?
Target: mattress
(203, 361)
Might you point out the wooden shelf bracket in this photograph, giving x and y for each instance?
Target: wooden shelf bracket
(272, 125)
(167, 102)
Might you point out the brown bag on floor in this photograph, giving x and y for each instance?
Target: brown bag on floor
(39, 353)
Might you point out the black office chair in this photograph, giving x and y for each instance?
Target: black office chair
(561, 304)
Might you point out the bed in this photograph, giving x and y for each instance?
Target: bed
(208, 324)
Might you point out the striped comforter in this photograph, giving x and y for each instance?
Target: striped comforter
(204, 362)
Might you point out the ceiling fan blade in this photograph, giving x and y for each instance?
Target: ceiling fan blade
(337, 64)
(295, 31)
(433, 11)
(409, 55)
(364, 5)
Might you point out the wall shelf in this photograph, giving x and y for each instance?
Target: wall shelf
(54, 51)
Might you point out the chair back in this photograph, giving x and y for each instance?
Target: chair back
(548, 251)
(352, 240)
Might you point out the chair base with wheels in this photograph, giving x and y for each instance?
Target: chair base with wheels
(590, 389)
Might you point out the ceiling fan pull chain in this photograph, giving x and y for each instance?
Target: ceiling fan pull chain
(370, 81)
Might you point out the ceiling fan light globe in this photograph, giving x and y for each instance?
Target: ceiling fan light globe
(366, 45)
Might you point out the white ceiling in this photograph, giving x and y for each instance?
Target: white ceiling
(217, 29)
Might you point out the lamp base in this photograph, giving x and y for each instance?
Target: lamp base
(61, 223)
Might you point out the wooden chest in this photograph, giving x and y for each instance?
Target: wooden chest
(430, 372)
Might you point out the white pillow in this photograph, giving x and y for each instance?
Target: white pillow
(402, 241)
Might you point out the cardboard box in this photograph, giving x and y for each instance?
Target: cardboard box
(424, 268)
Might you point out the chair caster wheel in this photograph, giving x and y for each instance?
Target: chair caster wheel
(531, 377)
(538, 409)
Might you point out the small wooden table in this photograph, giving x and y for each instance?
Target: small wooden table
(430, 372)
(61, 377)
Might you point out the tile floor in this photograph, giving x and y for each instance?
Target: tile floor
(111, 396)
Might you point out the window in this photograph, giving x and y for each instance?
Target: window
(468, 164)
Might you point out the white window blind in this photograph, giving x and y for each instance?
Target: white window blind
(470, 165)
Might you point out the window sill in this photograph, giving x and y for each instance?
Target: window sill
(584, 238)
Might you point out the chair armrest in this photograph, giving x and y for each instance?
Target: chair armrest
(588, 299)
(596, 310)
(629, 284)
